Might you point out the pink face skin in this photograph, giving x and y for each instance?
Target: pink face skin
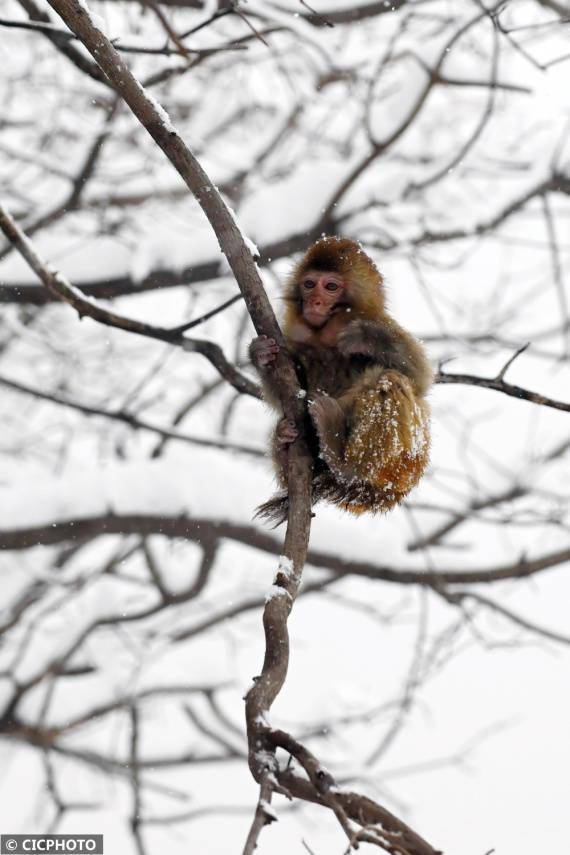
(320, 293)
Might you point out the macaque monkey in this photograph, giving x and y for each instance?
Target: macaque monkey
(366, 380)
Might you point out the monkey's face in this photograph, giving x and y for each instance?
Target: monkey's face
(321, 294)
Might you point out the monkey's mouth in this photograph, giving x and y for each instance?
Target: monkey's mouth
(315, 318)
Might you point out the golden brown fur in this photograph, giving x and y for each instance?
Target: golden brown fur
(366, 379)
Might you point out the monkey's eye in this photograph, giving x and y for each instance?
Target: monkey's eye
(332, 286)
(308, 284)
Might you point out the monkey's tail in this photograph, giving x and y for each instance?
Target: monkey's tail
(355, 497)
(274, 510)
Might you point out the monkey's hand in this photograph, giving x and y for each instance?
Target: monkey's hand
(375, 342)
(263, 351)
(361, 338)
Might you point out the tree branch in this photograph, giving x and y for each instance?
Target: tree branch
(263, 816)
(458, 597)
(197, 528)
(129, 419)
(279, 604)
(73, 54)
(499, 385)
(58, 285)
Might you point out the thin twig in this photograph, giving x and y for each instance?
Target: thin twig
(128, 419)
(136, 816)
(509, 362)
(246, 20)
(506, 388)
(206, 317)
(85, 306)
(557, 273)
(460, 596)
(220, 14)
(66, 36)
(318, 18)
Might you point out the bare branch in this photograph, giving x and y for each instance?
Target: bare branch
(509, 362)
(59, 36)
(264, 815)
(197, 528)
(461, 596)
(120, 286)
(280, 601)
(160, 278)
(78, 184)
(440, 532)
(129, 419)
(557, 273)
(136, 816)
(62, 44)
(153, 118)
(85, 306)
(206, 317)
(499, 385)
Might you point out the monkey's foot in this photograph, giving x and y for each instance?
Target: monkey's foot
(286, 432)
(330, 422)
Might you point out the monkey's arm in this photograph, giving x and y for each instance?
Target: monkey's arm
(389, 346)
(263, 352)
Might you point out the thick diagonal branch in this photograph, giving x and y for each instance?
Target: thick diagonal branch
(232, 243)
(262, 739)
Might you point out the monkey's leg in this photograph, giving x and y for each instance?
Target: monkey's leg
(388, 444)
(329, 419)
